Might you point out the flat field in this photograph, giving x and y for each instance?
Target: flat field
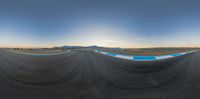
(39, 51)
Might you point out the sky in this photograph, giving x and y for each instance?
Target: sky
(109, 23)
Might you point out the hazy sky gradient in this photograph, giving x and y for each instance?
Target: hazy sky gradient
(111, 23)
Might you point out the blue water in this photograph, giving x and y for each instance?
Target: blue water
(111, 54)
(177, 54)
(144, 58)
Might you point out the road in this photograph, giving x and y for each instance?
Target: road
(83, 74)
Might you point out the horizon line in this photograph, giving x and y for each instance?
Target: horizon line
(34, 47)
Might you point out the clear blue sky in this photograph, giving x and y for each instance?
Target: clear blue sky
(112, 23)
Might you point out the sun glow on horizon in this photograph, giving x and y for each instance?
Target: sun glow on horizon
(100, 35)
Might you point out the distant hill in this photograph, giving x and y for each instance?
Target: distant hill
(71, 47)
(75, 47)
